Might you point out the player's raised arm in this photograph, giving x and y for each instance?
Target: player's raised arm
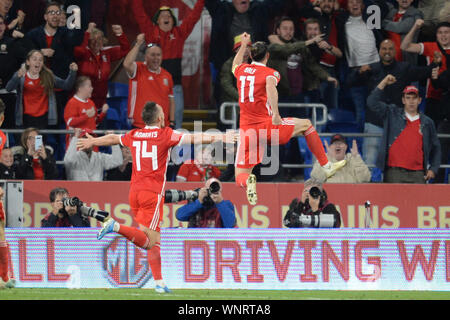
(239, 57)
(272, 98)
(206, 138)
(90, 141)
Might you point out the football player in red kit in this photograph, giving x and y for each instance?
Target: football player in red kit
(260, 120)
(5, 281)
(150, 147)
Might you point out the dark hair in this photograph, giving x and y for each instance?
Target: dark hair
(150, 112)
(281, 20)
(79, 82)
(258, 51)
(442, 24)
(56, 191)
(311, 21)
(2, 107)
(53, 4)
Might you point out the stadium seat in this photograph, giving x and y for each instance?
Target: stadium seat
(117, 89)
(341, 120)
(120, 105)
(113, 119)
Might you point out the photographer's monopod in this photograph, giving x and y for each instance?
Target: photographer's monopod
(367, 216)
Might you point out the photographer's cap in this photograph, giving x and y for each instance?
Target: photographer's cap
(338, 137)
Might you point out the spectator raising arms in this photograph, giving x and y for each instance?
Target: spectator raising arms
(163, 29)
(95, 60)
(34, 164)
(80, 111)
(34, 82)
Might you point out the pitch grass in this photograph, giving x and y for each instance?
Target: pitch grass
(205, 294)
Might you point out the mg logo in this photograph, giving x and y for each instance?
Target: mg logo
(125, 265)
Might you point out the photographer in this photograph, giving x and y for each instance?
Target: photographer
(313, 210)
(61, 215)
(209, 210)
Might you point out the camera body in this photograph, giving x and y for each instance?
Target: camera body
(84, 210)
(173, 195)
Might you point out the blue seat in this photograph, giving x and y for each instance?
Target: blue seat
(119, 105)
(117, 89)
(340, 120)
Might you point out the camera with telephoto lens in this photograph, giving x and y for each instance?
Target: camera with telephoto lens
(315, 192)
(173, 195)
(86, 211)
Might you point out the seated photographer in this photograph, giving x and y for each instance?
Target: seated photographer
(313, 210)
(70, 211)
(63, 215)
(209, 210)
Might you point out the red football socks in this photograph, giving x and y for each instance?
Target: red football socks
(154, 260)
(138, 237)
(315, 145)
(241, 180)
(4, 261)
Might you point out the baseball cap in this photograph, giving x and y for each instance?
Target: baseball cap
(411, 89)
(237, 42)
(338, 137)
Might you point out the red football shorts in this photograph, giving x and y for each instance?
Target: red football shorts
(147, 208)
(254, 139)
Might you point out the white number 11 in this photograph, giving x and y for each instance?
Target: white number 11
(250, 79)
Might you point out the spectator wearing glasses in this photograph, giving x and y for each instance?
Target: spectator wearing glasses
(148, 82)
(163, 29)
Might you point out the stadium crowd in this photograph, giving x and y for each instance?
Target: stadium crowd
(334, 52)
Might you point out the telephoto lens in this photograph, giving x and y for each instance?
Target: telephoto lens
(214, 187)
(315, 192)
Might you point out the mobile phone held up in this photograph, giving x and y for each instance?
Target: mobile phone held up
(37, 142)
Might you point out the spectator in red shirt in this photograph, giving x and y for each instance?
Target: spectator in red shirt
(94, 59)
(81, 111)
(163, 29)
(148, 82)
(199, 169)
(428, 49)
(35, 84)
(397, 24)
(410, 151)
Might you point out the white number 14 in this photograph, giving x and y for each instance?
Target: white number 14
(141, 152)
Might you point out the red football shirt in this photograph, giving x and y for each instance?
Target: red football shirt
(251, 84)
(75, 113)
(146, 85)
(191, 171)
(35, 99)
(407, 150)
(150, 148)
(428, 49)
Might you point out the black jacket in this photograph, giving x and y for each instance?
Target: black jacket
(63, 43)
(54, 221)
(8, 173)
(260, 12)
(443, 82)
(297, 208)
(24, 164)
(12, 55)
(404, 72)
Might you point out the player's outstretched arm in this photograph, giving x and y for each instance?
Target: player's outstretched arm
(90, 141)
(205, 138)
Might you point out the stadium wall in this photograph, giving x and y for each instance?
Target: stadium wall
(275, 259)
(393, 205)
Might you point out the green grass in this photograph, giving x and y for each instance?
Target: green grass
(204, 294)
